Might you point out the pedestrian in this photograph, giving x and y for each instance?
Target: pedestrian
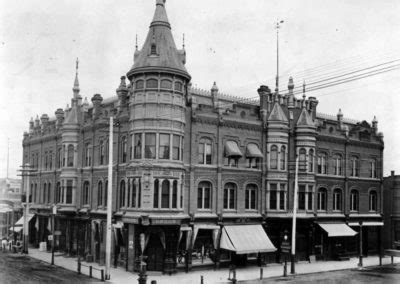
(4, 244)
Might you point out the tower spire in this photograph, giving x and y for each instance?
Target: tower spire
(76, 89)
(183, 41)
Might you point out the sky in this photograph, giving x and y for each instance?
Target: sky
(232, 42)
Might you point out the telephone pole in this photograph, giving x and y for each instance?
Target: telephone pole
(277, 27)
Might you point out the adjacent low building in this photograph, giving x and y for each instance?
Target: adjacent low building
(10, 207)
(391, 211)
(200, 177)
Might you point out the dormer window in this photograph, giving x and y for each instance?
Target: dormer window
(153, 49)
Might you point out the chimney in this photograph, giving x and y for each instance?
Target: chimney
(96, 100)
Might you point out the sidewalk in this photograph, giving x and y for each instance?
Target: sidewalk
(119, 275)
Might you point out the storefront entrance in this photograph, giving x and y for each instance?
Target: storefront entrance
(155, 254)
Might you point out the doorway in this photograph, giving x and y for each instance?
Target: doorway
(155, 254)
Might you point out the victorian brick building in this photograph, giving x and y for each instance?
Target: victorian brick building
(200, 177)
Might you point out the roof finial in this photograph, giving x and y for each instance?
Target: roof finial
(183, 41)
(304, 89)
(76, 83)
(136, 43)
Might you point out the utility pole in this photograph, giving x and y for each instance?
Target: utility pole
(278, 26)
(109, 200)
(52, 232)
(293, 254)
(25, 172)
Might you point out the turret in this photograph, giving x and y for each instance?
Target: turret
(122, 93)
(31, 125)
(214, 95)
(375, 125)
(340, 119)
(96, 100)
(59, 116)
(291, 95)
(44, 120)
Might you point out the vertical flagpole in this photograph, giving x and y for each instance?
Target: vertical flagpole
(293, 254)
(8, 155)
(109, 200)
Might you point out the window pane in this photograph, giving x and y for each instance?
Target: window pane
(178, 86)
(166, 84)
(231, 198)
(208, 153)
(69, 192)
(165, 194)
(247, 199)
(207, 197)
(175, 147)
(139, 84)
(152, 83)
(200, 197)
(156, 189)
(272, 199)
(163, 151)
(310, 201)
(174, 194)
(274, 157)
(201, 153)
(138, 146)
(150, 146)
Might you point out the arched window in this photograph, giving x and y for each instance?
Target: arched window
(153, 49)
(302, 159)
(251, 197)
(105, 194)
(165, 194)
(337, 160)
(355, 166)
(175, 194)
(70, 156)
(321, 161)
(152, 83)
(100, 193)
(311, 160)
(139, 84)
(373, 201)
(58, 193)
(101, 154)
(48, 192)
(372, 169)
(230, 196)
(274, 157)
(337, 199)
(321, 199)
(166, 84)
(178, 86)
(205, 152)
(354, 200)
(124, 149)
(204, 195)
(122, 194)
(156, 193)
(44, 193)
(283, 158)
(85, 197)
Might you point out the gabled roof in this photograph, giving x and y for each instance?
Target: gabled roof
(277, 114)
(305, 119)
(167, 57)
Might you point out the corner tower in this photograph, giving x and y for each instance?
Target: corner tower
(157, 104)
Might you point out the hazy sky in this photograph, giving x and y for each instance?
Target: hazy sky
(231, 42)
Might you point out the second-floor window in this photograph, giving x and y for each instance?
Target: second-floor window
(138, 146)
(163, 149)
(70, 156)
(322, 163)
(273, 162)
(253, 156)
(205, 152)
(102, 152)
(251, 197)
(337, 200)
(88, 156)
(372, 169)
(150, 146)
(232, 154)
(85, 193)
(124, 149)
(230, 196)
(321, 199)
(311, 160)
(100, 193)
(204, 195)
(355, 166)
(305, 197)
(373, 201)
(302, 159)
(337, 165)
(122, 196)
(354, 200)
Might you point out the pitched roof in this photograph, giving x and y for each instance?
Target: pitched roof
(167, 57)
(277, 114)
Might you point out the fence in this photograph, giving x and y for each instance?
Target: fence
(91, 268)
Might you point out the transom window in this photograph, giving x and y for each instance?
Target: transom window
(204, 195)
(230, 195)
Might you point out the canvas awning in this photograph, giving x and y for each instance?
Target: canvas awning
(337, 229)
(245, 239)
(16, 229)
(252, 151)
(369, 224)
(20, 222)
(232, 149)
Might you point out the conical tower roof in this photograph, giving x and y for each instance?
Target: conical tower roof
(305, 119)
(277, 114)
(159, 52)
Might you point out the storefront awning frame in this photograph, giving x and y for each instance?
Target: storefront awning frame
(337, 230)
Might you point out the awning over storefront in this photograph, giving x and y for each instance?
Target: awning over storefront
(337, 229)
(245, 239)
(20, 222)
(369, 224)
(16, 229)
(252, 151)
(232, 149)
